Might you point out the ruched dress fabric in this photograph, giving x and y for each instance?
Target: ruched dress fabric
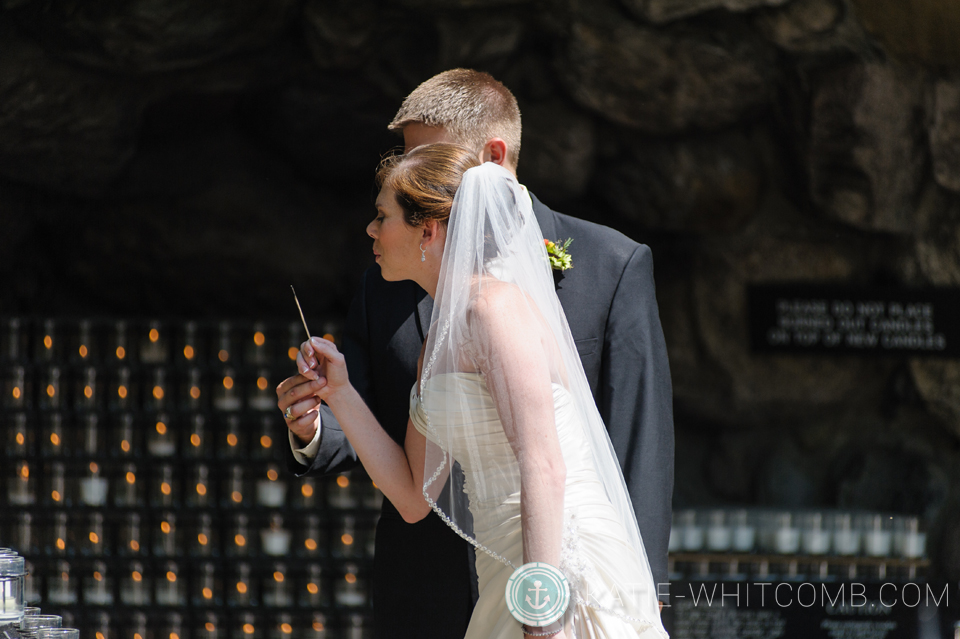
(595, 553)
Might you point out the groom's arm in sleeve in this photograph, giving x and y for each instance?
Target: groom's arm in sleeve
(335, 454)
(637, 404)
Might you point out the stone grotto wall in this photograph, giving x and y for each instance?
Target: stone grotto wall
(192, 158)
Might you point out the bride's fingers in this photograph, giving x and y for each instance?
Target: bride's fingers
(304, 365)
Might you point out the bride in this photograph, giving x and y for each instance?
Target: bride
(504, 440)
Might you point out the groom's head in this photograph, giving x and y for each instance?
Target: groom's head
(466, 107)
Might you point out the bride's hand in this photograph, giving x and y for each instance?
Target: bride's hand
(320, 360)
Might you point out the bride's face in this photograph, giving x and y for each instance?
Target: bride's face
(395, 243)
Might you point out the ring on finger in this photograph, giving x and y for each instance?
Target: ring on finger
(289, 412)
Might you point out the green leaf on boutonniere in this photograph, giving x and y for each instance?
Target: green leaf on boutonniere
(560, 259)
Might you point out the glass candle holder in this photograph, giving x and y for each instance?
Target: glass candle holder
(348, 543)
(311, 591)
(240, 542)
(30, 626)
(226, 394)
(815, 535)
(166, 538)
(234, 494)
(744, 531)
(136, 626)
(271, 489)
(62, 633)
(204, 541)
(317, 627)
(208, 589)
(171, 626)
(93, 542)
(48, 346)
(154, 344)
(61, 586)
(170, 588)
(275, 540)
(351, 589)
(719, 534)
(25, 534)
(165, 492)
(692, 532)
(57, 493)
(311, 540)
(93, 487)
(787, 535)
(199, 492)
(261, 395)
(265, 446)
(86, 394)
(192, 394)
(92, 440)
(196, 440)
(190, 346)
(295, 337)
(161, 439)
(259, 346)
(277, 587)
(12, 574)
(158, 396)
(282, 627)
(372, 496)
(50, 394)
(85, 350)
(135, 586)
(98, 587)
(124, 440)
(13, 344)
(225, 351)
(16, 393)
(31, 590)
(57, 540)
(342, 492)
(21, 487)
(19, 436)
(354, 627)
(122, 392)
(242, 592)
(128, 487)
(913, 539)
(878, 536)
(119, 351)
(307, 497)
(130, 542)
(54, 443)
(248, 626)
(233, 443)
(209, 627)
(99, 625)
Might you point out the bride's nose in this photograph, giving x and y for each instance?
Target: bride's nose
(371, 229)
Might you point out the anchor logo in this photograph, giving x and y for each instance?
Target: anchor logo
(537, 590)
(537, 594)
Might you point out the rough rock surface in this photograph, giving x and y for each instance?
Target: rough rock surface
(867, 154)
(666, 10)
(945, 134)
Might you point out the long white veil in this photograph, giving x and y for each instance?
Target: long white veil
(493, 237)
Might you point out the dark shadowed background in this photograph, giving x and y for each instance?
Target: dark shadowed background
(193, 158)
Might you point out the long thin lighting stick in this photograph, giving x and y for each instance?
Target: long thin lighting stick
(301, 311)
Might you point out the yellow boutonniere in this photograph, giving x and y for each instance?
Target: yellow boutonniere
(560, 260)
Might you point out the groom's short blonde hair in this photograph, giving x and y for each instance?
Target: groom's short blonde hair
(471, 106)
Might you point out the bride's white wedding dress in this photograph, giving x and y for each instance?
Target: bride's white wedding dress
(595, 551)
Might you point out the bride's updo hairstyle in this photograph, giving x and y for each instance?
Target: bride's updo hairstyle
(426, 179)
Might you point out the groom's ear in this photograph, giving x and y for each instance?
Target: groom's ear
(495, 150)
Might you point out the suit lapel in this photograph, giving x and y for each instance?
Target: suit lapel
(545, 218)
(424, 305)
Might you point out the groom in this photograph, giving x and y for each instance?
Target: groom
(424, 584)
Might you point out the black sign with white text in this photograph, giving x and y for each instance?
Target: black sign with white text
(846, 320)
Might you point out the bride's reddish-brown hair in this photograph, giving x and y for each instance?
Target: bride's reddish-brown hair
(426, 179)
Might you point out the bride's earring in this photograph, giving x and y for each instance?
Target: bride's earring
(423, 253)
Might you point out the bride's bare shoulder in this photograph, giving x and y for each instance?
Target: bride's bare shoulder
(495, 301)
